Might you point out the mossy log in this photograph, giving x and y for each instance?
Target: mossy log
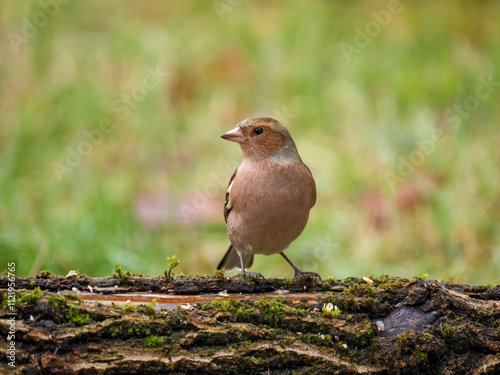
(222, 325)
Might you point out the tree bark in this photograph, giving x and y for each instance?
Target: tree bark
(222, 325)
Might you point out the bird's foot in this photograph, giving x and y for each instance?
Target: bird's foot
(299, 274)
(254, 275)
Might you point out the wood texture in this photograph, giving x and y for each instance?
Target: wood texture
(220, 325)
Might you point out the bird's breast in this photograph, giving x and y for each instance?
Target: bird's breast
(270, 207)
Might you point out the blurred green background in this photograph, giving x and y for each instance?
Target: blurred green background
(111, 116)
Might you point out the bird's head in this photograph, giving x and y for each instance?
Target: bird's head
(264, 138)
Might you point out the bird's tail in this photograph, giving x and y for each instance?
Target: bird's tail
(232, 260)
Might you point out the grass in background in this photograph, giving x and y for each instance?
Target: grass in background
(154, 186)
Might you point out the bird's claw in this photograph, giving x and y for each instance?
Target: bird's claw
(254, 275)
(299, 274)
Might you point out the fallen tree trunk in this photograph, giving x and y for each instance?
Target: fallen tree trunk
(214, 325)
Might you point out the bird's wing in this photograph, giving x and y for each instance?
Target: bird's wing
(315, 193)
(228, 204)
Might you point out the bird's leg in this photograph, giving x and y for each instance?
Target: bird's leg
(244, 273)
(298, 272)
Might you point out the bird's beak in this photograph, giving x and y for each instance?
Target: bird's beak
(234, 135)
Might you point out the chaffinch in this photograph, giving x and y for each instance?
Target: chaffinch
(269, 196)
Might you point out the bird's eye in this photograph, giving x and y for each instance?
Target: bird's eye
(258, 130)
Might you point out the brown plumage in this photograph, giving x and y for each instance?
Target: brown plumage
(269, 196)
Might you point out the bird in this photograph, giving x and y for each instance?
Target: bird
(269, 196)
